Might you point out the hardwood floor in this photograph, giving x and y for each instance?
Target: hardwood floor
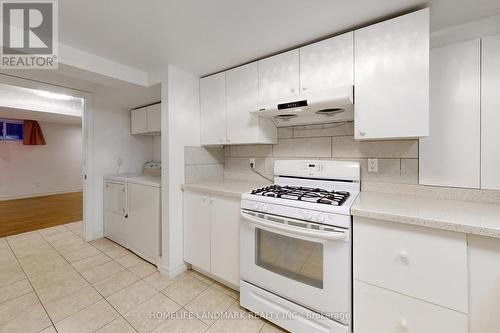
(22, 215)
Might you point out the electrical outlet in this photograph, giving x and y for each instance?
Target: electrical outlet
(251, 161)
(372, 165)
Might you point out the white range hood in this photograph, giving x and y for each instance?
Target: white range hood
(321, 107)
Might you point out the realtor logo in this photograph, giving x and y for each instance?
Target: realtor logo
(29, 34)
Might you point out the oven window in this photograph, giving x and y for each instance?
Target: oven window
(290, 257)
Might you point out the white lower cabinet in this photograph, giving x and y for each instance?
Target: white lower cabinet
(408, 278)
(114, 204)
(114, 227)
(484, 282)
(378, 310)
(211, 234)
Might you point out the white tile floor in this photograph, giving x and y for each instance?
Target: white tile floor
(51, 280)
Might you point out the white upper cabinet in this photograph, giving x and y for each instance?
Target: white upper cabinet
(279, 76)
(392, 78)
(450, 155)
(242, 91)
(327, 64)
(154, 117)
(146, 120)
(213, 109)
(490, 113)
(139, 121)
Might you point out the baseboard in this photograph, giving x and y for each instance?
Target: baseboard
(173, 272)
(35, 195)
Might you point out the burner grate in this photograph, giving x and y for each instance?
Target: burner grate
(307, 194)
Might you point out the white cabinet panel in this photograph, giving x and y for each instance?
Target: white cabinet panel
(327, 64)
(279, 76)
(197, 230)
(225, 241)
(143, 223)
(213, 109)
(490, 113)
(139, 121)
(114, 197)
(392, 78)
(154, 118)
(425, 263)
(114, 227)
(450, 156)
(242, 91)
(377, 310)
(484, 281)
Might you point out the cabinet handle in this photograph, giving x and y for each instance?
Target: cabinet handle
(228, 140)
(361, 133)
(304, 88)
(221, 140)
(403, 255)
(404, 324)
(292, 90)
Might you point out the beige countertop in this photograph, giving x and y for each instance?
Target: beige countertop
(454, 215)
(233, 188)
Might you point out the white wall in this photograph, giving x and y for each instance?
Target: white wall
(38, 170)
(180, 127)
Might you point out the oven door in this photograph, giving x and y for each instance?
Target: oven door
(305, 262)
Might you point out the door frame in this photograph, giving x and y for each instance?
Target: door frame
(89, 206)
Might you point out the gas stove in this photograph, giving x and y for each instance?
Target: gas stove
(295, 245)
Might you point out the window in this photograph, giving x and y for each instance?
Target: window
(11, 130)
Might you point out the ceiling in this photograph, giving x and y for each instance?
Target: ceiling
(204, 37)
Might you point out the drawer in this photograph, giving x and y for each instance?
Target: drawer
(377, 310)
(424, 263)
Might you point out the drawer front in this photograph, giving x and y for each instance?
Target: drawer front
(377, 310)
(424, 263)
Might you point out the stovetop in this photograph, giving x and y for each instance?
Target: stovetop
(305, 194)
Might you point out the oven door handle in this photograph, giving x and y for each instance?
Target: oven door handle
(327, 235)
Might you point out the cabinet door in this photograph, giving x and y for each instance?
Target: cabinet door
(197, 230)
(391, 59)
(139, 121)
(143, 223)
(450, 155)
(154, 118)
(114, 197)
(327, 64)
(484, 277)
(213, 109)
(279, 76)
(114, 227)
(490, 113)
(378, 310)
(225, 238)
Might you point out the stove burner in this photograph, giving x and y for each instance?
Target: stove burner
(306, 194)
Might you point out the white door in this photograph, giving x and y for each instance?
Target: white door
(490, 113)
(213, 109)
(392, 78)
(242, 91)
(154, 118)
(114, 197)
(279, 76)
(450, 155)
(197, 230)
(225, 238)
(143, 223)
(327, 64)
(139, 121)
(114, 227)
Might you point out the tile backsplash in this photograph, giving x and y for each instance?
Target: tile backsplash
(203, 164)
(397, 159)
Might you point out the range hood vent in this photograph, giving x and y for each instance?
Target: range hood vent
(321, 107)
